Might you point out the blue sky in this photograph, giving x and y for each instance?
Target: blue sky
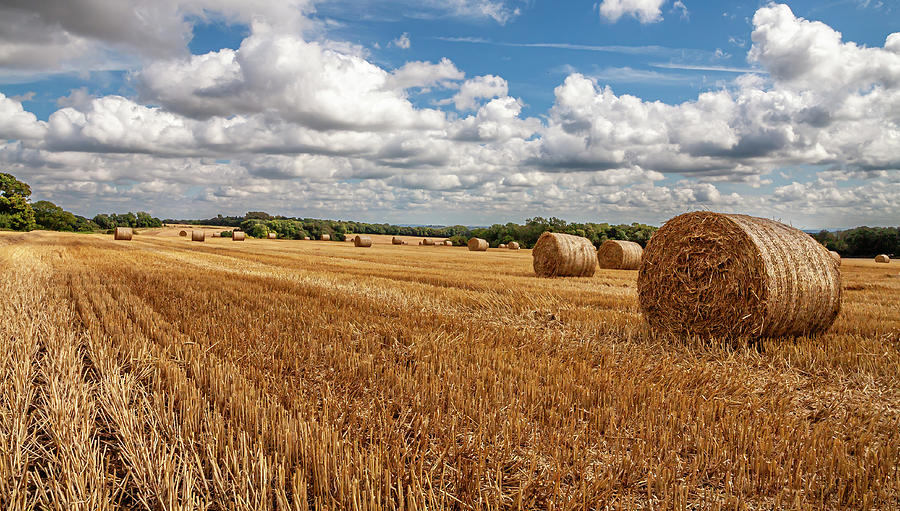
(470, 111)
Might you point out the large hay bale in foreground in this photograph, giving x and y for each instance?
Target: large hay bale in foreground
(881, 258)
(198, 236)
(396, 241)
(712, 274)
(619, 255)
(325, 237)
(238, 236)
(428, 242)
(362, 241)
(123, 233)
(563, 255)
(513, 245)
(182, 233)
(478, 245)
(835, 256)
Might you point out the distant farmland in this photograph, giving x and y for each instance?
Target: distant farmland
(160, 373)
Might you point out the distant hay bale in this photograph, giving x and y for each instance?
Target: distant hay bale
(478, 245)
(619, 255)
(502, 245)
(448, 243)
(420, 243)
(325, 237)
(563, 255)
(272, 235)
(198, 236)
(238, 236)
(835, 256)
(217, 235)
(405, 242)
(182, 233)
(880, 258)
(123, 233)
(306, 238)
(712, 274)
(428, 241)
(362, 241)
(396, 241)
(513, 245)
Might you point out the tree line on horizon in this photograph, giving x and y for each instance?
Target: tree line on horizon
(18, 213)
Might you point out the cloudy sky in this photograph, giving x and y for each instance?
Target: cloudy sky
(456, 111)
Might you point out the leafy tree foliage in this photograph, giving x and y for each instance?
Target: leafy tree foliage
(15, 211)
(862, 241)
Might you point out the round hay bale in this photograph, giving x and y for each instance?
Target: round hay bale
(880, 258)
(448, 243)
(325, 237)
(712, 274)
(835, 256)
(502, 245)
(238, 236)
(272, 235)
(182, 233)
(198, 236)
(428, 242)
(306, 238)
(478, 245)
(619, 255)
(217, 235)
(123, 233)
(396, 241)
(563, 255)
(405, 242)
(513, 245)
(362, 241)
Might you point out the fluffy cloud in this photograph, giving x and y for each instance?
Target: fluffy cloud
(402, 41)
(316, 122)
(646, 11)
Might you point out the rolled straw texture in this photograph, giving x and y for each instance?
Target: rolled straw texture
(272, 235)
(182, 233)
(362, 241)
(712, 274)
(123, 233)
(217, 235)
(880, 258)
(198, 236)
(448, 243)
(325, 237)
(238, 236)
(563, 255)
(502, 245)
(396, 241)
(477, 245)
(835, 256)
(619, 255)
(428, 241)
(306, 238)
(513, 245)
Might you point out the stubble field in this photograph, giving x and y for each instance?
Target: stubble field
(269, 374)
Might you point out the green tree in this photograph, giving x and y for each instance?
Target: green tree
(15, 211)
(51, 217)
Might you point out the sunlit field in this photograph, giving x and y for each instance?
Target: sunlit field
(162, 373)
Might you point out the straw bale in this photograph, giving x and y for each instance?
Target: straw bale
(563, 255)
(306, 238)
(712, 274)
(272, 235)
(362, 241)
(396, 241)
(182, 233)
(881, 258)
(513, 245)
(217, 235)
(238, 236)
(428, 241)
(835, 256)
(123, 233)
(619, 255)
(198, 236)
(477, 245)
(325, 237)
(502, 245)
(448, 243)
